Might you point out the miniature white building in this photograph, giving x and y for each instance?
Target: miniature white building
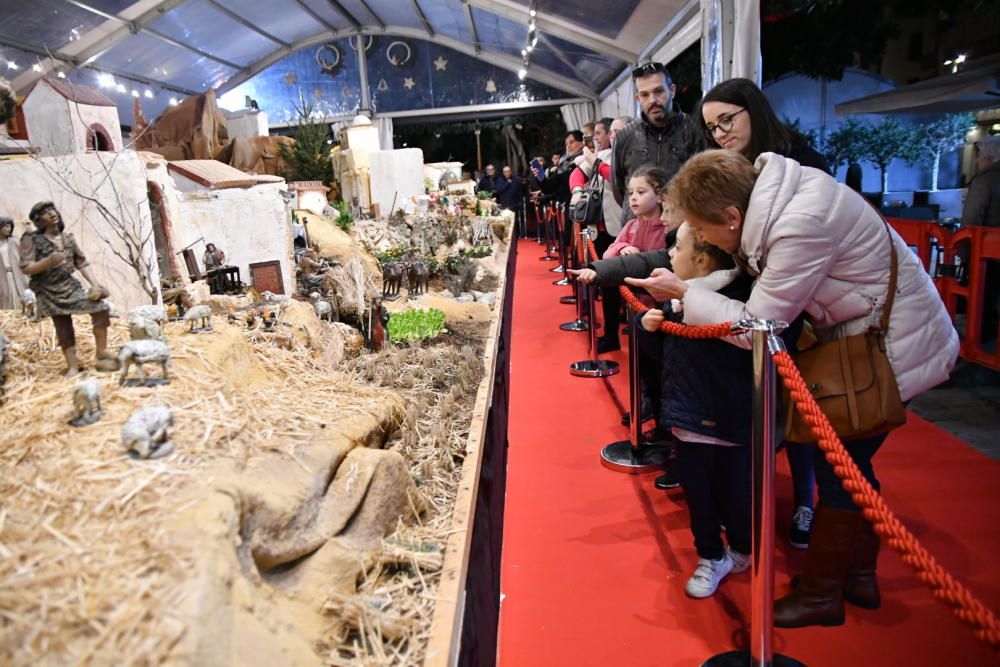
(246, 123)
(64, 118)
(309, 195)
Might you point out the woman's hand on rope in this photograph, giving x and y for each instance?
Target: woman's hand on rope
(585, 276)
(652, 319)
(661, 284)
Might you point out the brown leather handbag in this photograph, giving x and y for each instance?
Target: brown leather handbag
(851, 380)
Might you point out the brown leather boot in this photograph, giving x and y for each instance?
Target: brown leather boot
(862, 586)
(819, 597)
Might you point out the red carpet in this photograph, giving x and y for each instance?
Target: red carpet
(594, 562)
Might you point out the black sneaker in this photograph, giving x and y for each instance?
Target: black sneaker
(802, 521)
(668, 480)
(605, 345)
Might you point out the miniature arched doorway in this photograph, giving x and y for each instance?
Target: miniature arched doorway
(99, 139)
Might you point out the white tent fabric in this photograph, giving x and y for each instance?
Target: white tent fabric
(746, 60)
(384, 132)
(730, 41)
(575, 115)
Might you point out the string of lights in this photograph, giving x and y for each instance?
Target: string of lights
(532, 41)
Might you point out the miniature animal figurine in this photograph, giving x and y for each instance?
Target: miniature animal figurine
(392, 279)
(271, 297)
(270, 320)
(201, 314)
(86, 403)
(156, 313)
(324, 309)
(4, 347)
(29, 304)
(417, 278)
(251, 319)
(141, 328)
(145, 435)
(139, 352)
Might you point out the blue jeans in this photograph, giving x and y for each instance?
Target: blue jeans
(831, 492)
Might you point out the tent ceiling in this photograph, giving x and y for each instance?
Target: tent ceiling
(194, 45)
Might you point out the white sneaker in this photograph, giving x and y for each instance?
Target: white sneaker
(708, 575)
(740, 561)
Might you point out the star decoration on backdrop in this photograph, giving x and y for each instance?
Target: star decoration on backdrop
(491, 86)
(291, 78)
(318, 93)
(383, 85)
(441, 63)
(346, 91)
(409, 83)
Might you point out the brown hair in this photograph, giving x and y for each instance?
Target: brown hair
(710, 182)
(655, 176)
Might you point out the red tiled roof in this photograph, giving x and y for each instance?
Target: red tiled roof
(80, 94)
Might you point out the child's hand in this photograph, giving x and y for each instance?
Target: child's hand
(652, 319)
(585, 276)
(628, 250)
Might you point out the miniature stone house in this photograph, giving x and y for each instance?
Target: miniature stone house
(63, 118)
(309, 195)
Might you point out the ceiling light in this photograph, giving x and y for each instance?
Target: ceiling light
(135, 93)
(534, 40)
(960, 59)
(173, 101)
(121, 88)
(531, 13)
(148, 94)
(524, 52)
(11, 64)
(61, 75)
(531, 47)
(36, 67)
(105, 80)
(521, 73)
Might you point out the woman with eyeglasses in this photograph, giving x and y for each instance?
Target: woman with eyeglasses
(738, 117)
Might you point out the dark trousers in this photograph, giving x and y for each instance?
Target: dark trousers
(63, 325)
(716, 483)
(650, 363)
(611, 298)
(800, 462)
(831, 492)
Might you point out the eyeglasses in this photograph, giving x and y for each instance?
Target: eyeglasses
(725, 124)
(647, 68)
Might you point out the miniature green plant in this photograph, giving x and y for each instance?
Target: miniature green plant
(416, 324)
(345, 219)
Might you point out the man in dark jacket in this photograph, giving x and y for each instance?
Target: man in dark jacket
(663, 136)
(509, 193)
(488, 183)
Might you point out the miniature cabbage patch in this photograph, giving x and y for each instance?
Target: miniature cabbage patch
(416, 324)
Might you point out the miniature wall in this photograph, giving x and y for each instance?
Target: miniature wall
(28, 181)
(312, 200)
(59, 126)
(249, 224)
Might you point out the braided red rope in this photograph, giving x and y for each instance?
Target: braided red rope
(970, 610)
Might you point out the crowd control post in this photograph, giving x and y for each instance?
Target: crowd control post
(539, 222)
(595, 367)
(574, 254)
(765, 440)
(565, 254)
(633, 455)
(579, 324)
(549, 222)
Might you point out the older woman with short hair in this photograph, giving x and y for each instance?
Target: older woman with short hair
(816, 247)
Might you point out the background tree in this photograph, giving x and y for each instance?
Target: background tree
(941, 136)
(309, 158)
(846, 144)
(887, 141)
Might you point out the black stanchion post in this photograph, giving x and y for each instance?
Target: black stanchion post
(538, 223)
(563, 261)
(594, 367)
(579, 324)
(549, 242)
(761, 653)
(634, 456)
(574, 263)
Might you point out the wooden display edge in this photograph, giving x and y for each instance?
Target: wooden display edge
(446, 624)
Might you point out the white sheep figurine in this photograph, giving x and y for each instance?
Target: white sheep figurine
(87, 403)
(201, 314)
(142, 328)
(323, 308)
(145, 435)
(4, 347)
(29, 304)
(156, 313)
(139, 352)
(271, 297)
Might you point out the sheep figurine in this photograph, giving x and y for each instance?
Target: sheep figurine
(29, 304)
(156, 313)
(142, 328)
(201, 314)
(4, 347)
(86, 403)
(139, 352)
(271, 297)
(145, 435)
(324, 309)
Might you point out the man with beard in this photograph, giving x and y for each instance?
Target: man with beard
(663, 136)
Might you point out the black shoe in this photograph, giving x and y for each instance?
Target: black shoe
(645, 411)
(667, 480)
(626, 330)
(605, 345)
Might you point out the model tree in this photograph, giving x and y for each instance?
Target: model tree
(309, 158)
(887, 141)
(939, 137)
(846, 144)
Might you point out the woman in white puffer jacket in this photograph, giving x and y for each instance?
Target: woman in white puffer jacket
(817, 248)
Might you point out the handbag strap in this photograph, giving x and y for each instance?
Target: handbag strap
(890, 297)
